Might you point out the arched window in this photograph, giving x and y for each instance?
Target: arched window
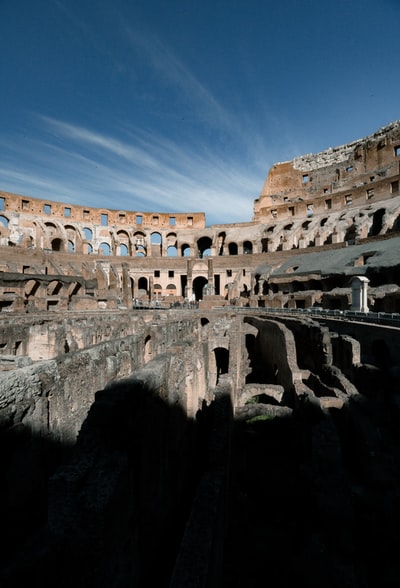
(104, 249)
(172, 251)
(247, 247)
(142, 286)
(4, 220)
(233, 249)
(171, 290)
(123, 249)
(204, 246)
(156, 239)
(157, 289)
(156, 244)
(88, 234)
(71, 247)
(56, 245)
(185, 250)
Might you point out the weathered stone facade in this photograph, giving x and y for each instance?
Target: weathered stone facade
(60, 257)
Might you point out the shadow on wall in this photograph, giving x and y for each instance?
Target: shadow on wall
(119, 502)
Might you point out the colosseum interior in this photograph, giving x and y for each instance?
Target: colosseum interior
(185, 405)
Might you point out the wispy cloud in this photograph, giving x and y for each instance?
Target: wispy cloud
(79, 165)
(176, 73)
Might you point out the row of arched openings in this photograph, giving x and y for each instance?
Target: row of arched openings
(203, 244)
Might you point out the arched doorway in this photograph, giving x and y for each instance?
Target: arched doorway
(198, 285)
(57, 245)
(222, 361)
(233, 248)
(142, 288)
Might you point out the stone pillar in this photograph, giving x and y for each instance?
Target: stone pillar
(189, 284)
(359, 297)
(319, 240)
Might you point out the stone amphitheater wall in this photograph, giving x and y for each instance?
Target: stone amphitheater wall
(59, 257)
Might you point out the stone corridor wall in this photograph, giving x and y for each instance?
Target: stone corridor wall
(149, 475)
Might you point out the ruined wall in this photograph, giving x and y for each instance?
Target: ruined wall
(151, 471)
(276, 351)
(140, 426)
(338, 178)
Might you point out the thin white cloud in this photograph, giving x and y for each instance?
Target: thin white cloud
(103, 142)
(172, 70)
(78, 165)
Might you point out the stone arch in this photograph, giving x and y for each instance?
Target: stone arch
(74, 289)
(72, 237)
(171, 244)
(142, 287)
(56, 235)
(140, 244)
(198, 286)
(185, 250)
(204, 246)
(50, 228)
(377, 222)
(221, 242)
(88, 233)
(140, 251)
(221, 357)
(247, 247)
(54, 288)
(351, 233)
(172, 251)
(156, 244)
(157, 291)
(148, 349)
(171, 290)
(264, 245)
(156, 238)
(57, 244)
(233, 248)
(124, 243)
(31, 287)
(104, 248)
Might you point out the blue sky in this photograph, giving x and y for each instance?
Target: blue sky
(184, 105)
